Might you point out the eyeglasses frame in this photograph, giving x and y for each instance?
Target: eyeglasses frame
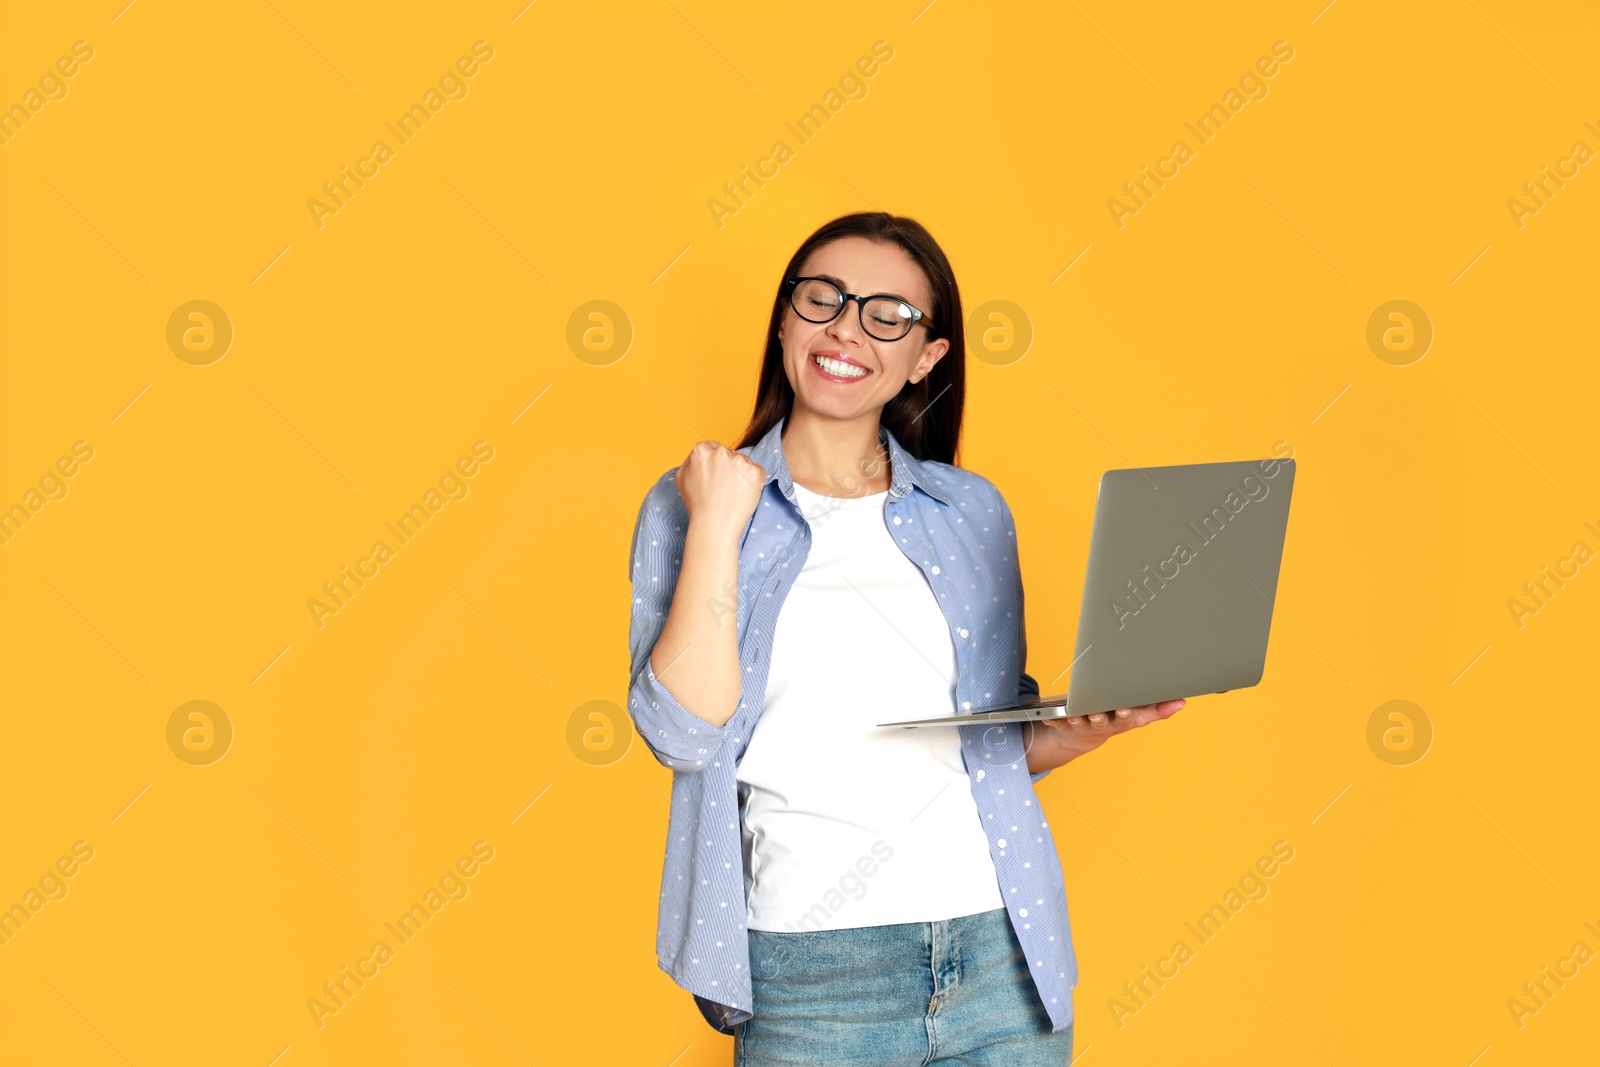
(861, 307)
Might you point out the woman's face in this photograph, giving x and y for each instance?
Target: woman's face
(858, 265)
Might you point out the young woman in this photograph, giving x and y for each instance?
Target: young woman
(833, 892)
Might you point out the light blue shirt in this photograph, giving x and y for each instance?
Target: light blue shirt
(955, 526)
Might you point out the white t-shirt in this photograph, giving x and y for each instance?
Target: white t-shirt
(846, 824)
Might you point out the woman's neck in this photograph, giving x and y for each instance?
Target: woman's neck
(836, 457)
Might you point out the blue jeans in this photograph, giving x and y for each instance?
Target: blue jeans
(947, 992)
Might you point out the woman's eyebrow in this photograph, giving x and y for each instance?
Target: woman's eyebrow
(840, 283)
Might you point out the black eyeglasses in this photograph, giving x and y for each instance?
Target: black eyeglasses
(887, 318)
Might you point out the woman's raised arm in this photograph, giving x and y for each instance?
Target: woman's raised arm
(693, 654)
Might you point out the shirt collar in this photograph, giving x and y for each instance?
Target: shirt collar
(905, 470)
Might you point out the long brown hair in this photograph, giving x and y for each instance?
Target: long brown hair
(924, 417)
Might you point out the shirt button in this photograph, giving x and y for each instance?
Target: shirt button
(897, 520)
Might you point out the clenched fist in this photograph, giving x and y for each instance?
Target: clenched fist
(719, 486)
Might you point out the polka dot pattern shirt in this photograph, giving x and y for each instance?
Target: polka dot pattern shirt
(956, 527)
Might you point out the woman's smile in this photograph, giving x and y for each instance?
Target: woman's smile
(835, 366)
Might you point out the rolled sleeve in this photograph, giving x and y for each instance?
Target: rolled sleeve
(676, 736)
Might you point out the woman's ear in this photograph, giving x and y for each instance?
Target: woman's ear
(930, 356)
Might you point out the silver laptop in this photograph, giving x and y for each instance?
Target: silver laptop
(1182, 575)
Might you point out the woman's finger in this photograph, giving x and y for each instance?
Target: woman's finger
(1163, 707)
(1133, 718)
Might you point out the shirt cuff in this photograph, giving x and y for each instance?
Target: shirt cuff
(679, 738)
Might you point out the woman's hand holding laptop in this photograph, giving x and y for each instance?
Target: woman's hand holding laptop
(1051, 743)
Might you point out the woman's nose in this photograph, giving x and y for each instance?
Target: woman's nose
(846, 326)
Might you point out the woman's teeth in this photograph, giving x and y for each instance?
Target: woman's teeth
(843, 370)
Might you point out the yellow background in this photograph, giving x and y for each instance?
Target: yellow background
(432, 310)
